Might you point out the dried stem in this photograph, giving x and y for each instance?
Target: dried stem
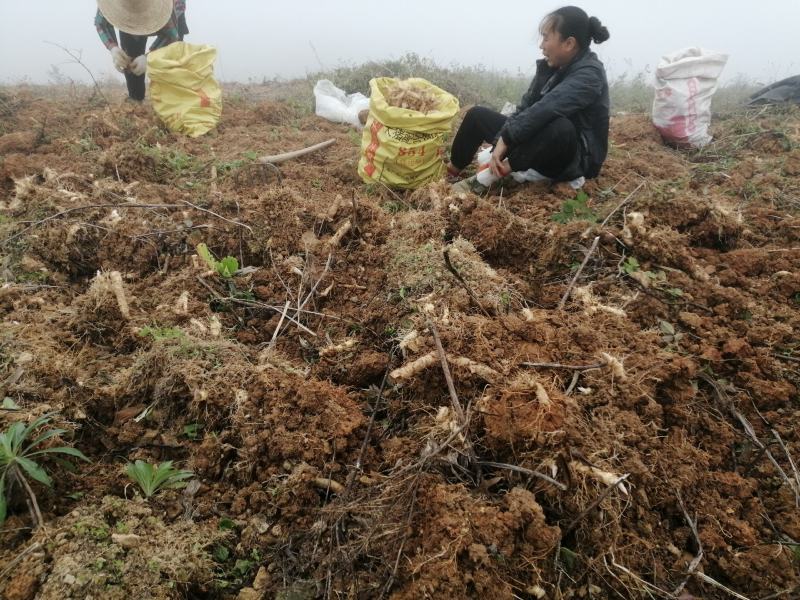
(697, 559)
(546, 365)
(463, 283)
(597, 501)
(77, 59)
(32, 548)
(456, 404)
(524, 471)
(278, 328)
(718, 585)
(792, 463)
(38, 514)
(406, 531)
(648, 585)
(621, 204)
(212, 213)
(79, 208)
(372, 417)
(565, 297)
(748, 428)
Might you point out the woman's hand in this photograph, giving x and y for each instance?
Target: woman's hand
(139, 65)
(498, 164)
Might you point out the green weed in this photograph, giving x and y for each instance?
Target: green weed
(226, 267)
(17, 449)
(575, 209)
(152, 478)
(192, 431)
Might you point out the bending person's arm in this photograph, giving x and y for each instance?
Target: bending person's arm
(171, 31)
(106, 31)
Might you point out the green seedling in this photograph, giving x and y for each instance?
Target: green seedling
(17, 449)
(192, 431)
(221, 553)
(631, 265)
(576, 209)
(227, 267)
(9, 404)
(152, 478)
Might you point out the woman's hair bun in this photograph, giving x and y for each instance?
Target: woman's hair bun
(597, 31)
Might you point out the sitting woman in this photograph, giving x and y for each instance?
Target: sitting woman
(560, 129)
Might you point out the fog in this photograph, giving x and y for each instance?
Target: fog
(263, 39)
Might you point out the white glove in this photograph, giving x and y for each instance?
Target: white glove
(139, 65)
(121, 60)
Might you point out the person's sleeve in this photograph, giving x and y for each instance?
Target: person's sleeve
(106, 31)
(168, 34)
(578, 91)
(527, 98)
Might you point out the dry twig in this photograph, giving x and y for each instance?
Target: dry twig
(212, 213)
(697, 559)
(456, 404)
(524, 471)
(546, 365)
(596, 502)
(621, 204)
(718, 585)
(565, 297)
(794, 484)
(77, 59)
(457, 275)
(32, 548)
(278, 328)
(79, 208)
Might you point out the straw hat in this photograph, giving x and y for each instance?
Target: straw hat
(137, 17)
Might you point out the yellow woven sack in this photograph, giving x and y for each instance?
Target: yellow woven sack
(183, 89)
(402, 147)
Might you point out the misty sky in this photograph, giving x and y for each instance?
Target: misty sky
(262, 38)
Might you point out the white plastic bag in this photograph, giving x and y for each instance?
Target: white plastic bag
(485, 176)
(685, 82)
(335, 105)
(508, 109)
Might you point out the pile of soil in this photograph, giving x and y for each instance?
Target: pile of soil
(640, 441)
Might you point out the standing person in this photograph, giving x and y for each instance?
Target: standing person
(560, 128)
(136, 21)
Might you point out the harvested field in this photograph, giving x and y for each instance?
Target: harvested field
(426, 395)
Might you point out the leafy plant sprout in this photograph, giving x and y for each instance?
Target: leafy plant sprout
(17, 464)
(152, 478)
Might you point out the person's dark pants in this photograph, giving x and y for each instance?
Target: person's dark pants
(133, 46)
(550, 152)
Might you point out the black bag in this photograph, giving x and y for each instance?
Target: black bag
(786, 90)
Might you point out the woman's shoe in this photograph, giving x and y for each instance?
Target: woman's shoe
(470, 185)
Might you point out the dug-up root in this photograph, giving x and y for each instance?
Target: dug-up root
(104, 302)
(335, 349)
(406, 94)
(337, 237)
(119, 293)
(592, 305)
(488, 374)
(601, 476)
(616, 366)
(409, 370)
